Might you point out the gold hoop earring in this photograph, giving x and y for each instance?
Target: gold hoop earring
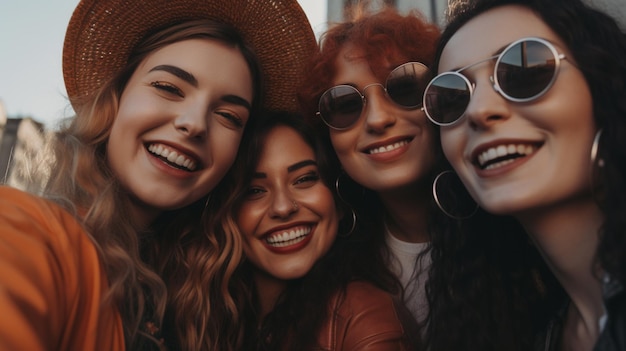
(350, 187)
(337, 189)
(463, 206)
(352, 227)
(597, 163)
(594, 150)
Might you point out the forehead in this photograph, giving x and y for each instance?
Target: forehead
(354, 61)
(491, 31)
(283, 145)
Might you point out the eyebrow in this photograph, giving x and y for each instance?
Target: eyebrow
(301, 164)
(493, 56)
(294, 167)
(237, 100)
(178, 72)
(189, 78)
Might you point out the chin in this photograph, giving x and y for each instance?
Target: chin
(506, 206)
(295, 273)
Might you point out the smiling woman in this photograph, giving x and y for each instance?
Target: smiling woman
(305, 284)
(534, 127)
(118, 255)
(194, 155)
(41, 25)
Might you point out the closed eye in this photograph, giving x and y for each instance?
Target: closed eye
(232, 119)
(308, 179)
(168, 88)
(254, 193)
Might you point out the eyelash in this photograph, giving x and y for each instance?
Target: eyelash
(167, 87)
(254, 191)
(309, 177)
(232, 118)
(172, 89)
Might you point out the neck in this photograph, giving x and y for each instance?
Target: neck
(567, 237)
(268, 289)
(141, 215)
(407, 214)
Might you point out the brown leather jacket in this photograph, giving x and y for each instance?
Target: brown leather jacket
(364, 318)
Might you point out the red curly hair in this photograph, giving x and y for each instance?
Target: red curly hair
(382, 36)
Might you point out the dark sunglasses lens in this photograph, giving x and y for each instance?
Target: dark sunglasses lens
(446, 98)
(340, 107)
(406, 84)
(526, 69)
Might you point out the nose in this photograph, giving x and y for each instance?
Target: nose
(379, 110)
(486, 107)
(193, 122)
(283, 206)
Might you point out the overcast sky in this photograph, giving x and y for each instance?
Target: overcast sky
(31, 44)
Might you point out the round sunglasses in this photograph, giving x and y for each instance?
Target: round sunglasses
(524, 71)
(341, 106)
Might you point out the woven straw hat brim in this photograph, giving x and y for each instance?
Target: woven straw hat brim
(102, 33)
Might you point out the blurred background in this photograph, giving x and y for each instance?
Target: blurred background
(32, 94)
(31, 43)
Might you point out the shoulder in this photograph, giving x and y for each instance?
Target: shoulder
(16, 201)
(364, 316)
(357, 291)
(52, 285)
(19, 207)
(35, 223)
(364, 300)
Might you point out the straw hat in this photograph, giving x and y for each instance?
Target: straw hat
(102, 33)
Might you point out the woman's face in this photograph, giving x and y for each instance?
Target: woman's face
(516, 157)
(389, 147)
(179, 124)
(288, 217)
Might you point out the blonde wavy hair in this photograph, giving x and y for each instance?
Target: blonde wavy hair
(171, 274)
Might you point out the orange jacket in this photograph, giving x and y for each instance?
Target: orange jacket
(365, 319)
(51, 281)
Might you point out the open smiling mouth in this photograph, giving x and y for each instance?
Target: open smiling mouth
(502, 155)
(390, 147)
(172, 158)
(288, 237)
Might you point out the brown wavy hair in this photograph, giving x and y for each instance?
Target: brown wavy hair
(598, 46)
(299, 313)
(170, 270)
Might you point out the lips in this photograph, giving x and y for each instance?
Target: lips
(173, 157)
(288, 237)
(500, 155)
(389, 146)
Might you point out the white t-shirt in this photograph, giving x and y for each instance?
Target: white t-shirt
(412, 276)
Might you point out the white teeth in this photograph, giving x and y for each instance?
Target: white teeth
(287, 238)
(388, 147)
(172, 156)
(502, 151)
(500, 164)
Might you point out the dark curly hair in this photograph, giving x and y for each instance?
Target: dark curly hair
(598, 46)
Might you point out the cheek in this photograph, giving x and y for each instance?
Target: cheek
(248, 217)
(223, 146)
(343, 144)
(453, 145)
(118, 144)
(327, 209)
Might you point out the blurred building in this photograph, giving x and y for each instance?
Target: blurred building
(434, 10)
(21, 147)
